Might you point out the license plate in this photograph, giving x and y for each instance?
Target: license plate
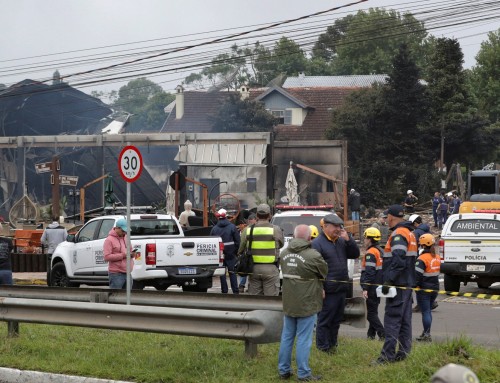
(187, 270)
(476, 268)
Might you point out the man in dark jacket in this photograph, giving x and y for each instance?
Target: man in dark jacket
(398, 269)
(354, 203)
(231, 238)
(303, 271)
(419, 227)
(336, 246)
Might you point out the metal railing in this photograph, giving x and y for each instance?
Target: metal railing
(253, 319)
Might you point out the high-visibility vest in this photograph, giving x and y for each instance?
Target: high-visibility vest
(411, 248)
(432, 264)
(377, 253)
(263, 244)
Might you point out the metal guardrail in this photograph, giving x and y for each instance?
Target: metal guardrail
(253, 319)
(253, 327)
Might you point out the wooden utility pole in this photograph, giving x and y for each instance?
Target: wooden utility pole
(54, 180)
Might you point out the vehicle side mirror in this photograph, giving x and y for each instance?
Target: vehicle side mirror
(70, 238)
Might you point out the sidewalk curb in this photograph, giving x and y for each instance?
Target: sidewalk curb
(11, 375)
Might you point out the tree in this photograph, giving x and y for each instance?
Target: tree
(236, 115)
(381, 125)
(486, 77)
(227, 70)
(133, 96)
(146, 101)
(366, 42)
(453, 115)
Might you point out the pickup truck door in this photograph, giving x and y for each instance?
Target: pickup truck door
(83, 258)
(100, 265)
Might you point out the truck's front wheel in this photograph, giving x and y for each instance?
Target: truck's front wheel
(451, 283)
(59, 277)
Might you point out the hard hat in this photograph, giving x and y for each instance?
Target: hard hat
(426, 240)
(314, 231)
(373, 232)
(222, 213)
(454, 373)
(415, 218)
(409, 191)
(334, 219)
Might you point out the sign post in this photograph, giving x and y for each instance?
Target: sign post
(130, 165)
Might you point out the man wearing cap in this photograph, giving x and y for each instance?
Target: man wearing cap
(115, 253)
(398, 269)
(231, 238)
(267, 239)
(381, 225)
(410, 202)
(335, 246)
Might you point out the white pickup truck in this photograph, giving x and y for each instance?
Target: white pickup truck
(470, 250)
(165, 256)
(288, 220)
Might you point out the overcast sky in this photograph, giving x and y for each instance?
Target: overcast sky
(41, 36)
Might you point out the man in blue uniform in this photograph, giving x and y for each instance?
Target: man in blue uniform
(336, 246)
(231, 238)
(398, 270)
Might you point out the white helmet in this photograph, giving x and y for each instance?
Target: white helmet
(409, 191)
(454, 373)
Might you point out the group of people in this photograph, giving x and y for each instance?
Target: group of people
(315, 284)
(444, 204)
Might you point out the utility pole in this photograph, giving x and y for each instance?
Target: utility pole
(54, 180)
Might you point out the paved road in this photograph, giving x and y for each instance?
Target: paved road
(477, 319)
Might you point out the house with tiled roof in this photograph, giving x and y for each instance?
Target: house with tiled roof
(303, 106)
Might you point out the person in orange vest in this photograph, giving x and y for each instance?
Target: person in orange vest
(427, 276)
(371, 276)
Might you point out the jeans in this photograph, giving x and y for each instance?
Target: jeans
(243, 281)
(302, 328)
(5, 277)
(233, 277)
(117, 280)
(355, 215)
(425, 301)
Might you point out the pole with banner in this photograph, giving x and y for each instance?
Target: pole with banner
(130, 165)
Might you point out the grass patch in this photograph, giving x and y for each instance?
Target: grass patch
(158, 358)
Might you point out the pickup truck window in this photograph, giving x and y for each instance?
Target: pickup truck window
(88, 232)
(475, 226)
(154, 227)
(105, 228)
(288, 224)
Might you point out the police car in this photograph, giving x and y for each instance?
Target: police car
(288, 217)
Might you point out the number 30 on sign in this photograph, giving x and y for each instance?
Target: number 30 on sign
(130, 163)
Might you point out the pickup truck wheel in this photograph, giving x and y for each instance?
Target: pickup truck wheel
(483, 285)
(59, 277)
(451, 283)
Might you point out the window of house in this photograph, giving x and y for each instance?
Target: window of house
(280, 115)
(251, 185)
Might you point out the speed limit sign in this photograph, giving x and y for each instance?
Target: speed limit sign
(130, 163)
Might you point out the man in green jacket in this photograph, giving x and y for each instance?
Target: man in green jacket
(304, 270)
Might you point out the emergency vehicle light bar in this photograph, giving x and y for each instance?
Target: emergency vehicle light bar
(302, 207)
(492, 211)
